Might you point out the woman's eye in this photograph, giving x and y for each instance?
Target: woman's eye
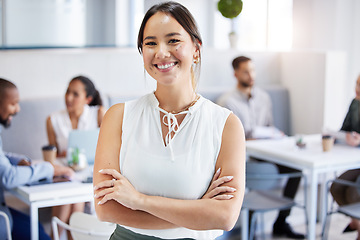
(150, 43)
(174, 41)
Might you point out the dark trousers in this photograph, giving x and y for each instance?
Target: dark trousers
(290, 190)
(291, 187)
(344, 194)
(21, 227)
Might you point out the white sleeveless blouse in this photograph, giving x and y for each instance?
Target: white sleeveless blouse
(62, 125)
(181, 169)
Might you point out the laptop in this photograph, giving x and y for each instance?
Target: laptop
(85, 140)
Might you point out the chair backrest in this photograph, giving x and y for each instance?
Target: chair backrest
(84, 226)
(261, 175)
(97, 230)
(7, 232)
(358, 184)
(86, 140)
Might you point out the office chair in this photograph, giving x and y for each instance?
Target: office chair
(350, 210)
(84, 226)
(261, 179)
(7, 224)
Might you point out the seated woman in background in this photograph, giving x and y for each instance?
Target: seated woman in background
(343, 194)
(84, 111)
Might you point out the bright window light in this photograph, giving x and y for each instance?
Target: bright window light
(262, 25)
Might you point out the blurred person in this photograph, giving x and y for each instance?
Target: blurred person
(253, 106)
(343, 194)
(16, 170)
(83, 111)
(171, 164)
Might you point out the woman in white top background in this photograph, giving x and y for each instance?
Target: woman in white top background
(170, 165)
(83, 111)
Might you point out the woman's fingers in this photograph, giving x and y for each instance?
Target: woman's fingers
(105, 184)
(216, 175)
(108, 183)
(107, 197)
(220, 190)
(103, 192)
(224, 197)
(112, 172)
(220, 181)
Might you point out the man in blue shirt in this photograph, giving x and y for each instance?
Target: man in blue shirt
(17, 170)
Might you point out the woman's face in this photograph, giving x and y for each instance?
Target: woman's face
(75, 96)
(168, 50)
(357, 89)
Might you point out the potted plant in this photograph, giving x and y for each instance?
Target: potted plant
(231, 9)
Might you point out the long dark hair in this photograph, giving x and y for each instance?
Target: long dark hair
(183, 17)
(90, 89)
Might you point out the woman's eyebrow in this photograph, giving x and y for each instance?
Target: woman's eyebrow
(167, 35)
(173, 34)
(149, 37)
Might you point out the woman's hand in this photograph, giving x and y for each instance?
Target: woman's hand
(353, 139)
(118, 189)
(216, 190)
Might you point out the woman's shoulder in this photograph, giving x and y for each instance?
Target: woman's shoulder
(116, 109)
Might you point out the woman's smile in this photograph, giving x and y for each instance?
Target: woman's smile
(165, 67)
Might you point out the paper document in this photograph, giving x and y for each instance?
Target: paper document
(267, 132)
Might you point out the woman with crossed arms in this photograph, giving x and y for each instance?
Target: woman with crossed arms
(170, 165)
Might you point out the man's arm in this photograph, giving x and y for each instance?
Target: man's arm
(14, 176)
(18, 159)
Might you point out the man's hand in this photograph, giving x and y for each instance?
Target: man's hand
(63, 171)
(24, 162)
(353, 139)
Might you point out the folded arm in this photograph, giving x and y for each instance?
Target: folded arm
(121, 203)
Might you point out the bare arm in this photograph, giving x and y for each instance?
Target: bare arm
(52, 136)
(107, 156)
(101, 113)
(202, 214)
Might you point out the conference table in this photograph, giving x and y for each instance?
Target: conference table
(311, 160)
(54, 194)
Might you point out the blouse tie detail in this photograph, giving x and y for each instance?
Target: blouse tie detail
(169, 120)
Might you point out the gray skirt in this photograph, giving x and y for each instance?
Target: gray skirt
(122, 233)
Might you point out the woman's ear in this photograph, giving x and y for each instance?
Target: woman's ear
(89, 100)
(196, 54)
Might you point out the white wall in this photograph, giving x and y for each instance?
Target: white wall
(117, 71)
(330, 25)
(316, 94)
(44, 23)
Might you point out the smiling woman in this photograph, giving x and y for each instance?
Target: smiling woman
(170, 165)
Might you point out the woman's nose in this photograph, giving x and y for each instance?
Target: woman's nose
(68, 97)
(162, 51)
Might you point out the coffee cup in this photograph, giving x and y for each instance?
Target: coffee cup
(327, 142)
(49, 153)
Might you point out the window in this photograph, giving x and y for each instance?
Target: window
(40, 23)
(262, 25)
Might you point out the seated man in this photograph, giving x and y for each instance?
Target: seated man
(16, 170)
(253, 106)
